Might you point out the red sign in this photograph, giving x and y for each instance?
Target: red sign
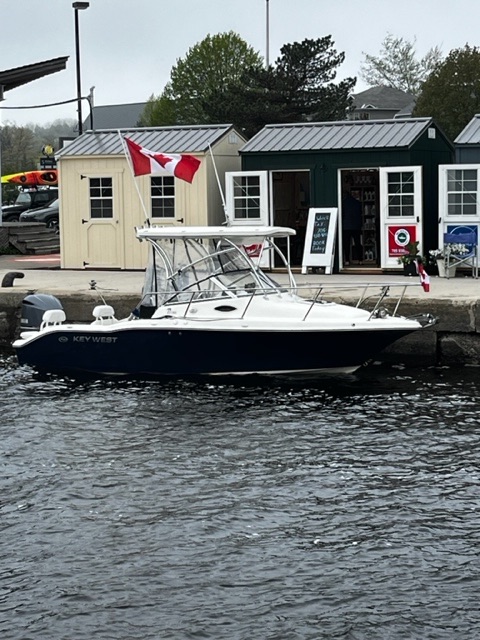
(399, 238)
(253, 250)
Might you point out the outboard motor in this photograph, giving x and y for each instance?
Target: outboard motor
(33, 308)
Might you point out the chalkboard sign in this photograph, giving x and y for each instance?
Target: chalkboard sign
(321, 222)
(320, 239)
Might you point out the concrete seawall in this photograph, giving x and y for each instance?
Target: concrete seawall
(454, 340)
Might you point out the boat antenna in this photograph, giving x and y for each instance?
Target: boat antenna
(129, 162)
(225, 211)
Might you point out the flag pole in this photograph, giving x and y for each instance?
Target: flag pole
(227, 217)
(129, 162)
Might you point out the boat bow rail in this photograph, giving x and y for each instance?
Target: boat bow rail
(381, 300)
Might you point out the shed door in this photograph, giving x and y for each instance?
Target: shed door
(101, 228)
(400, 211)
(459, 199)
(247, 203)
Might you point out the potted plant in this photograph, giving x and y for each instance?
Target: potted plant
(437, 257)
(409, 259)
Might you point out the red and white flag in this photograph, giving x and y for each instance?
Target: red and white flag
(145, 162)
(424, 277)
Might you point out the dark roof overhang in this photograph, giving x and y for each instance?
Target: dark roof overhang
(13, 78)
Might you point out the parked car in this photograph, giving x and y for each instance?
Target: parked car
(49, 215)
(26, 200)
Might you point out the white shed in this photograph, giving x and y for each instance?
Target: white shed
(101, 202)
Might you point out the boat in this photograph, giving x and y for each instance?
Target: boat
(32, 178)
(208, 308)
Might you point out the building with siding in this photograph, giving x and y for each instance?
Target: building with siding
(467, 143)
(389, 167)
(101, 202)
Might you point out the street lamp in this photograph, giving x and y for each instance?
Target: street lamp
(79, 6)
(267, 44)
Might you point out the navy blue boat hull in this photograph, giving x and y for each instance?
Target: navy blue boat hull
(159, 352)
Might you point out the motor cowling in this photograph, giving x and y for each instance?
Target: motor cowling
(33, 308)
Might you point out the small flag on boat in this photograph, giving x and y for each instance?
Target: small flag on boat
(145, 162)
(424, 277)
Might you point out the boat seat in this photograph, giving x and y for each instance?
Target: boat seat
(52, 317)
(104, 314)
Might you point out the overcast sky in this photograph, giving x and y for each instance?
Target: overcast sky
(128, 47)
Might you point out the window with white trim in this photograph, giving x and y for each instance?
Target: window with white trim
(101, 198)
(162, 193)
(462, 192)
(400, 194)
(246, 197)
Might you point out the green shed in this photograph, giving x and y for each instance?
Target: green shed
(382, 175)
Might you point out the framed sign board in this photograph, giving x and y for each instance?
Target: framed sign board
(320, 239)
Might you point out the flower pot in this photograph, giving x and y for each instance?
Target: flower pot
(409, 269)
(443, 273)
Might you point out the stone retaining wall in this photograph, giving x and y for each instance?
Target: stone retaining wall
(453, 340)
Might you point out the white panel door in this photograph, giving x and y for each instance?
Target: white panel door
(400, 212)
(247, 202)
(101, 227)
(247, 197)
(459, 199)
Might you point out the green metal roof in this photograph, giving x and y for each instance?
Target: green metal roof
(346, 134)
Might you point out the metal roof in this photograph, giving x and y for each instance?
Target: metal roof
(187, 139)
(13, 78)
(346, 134)
(115, 116)
(471, 133)
(382, 98)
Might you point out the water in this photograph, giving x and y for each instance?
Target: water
(342, 509)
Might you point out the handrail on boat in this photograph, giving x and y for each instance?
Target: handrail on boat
(318, 298)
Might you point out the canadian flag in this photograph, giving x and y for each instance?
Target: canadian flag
(145, 162)
(424, 277)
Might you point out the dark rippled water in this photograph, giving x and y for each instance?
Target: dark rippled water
(340, 509)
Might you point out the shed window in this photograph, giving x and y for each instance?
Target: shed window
(162, 191)
(400, 194)
(101, 198)
(462, 192)
(246, 196)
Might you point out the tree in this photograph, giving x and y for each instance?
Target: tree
(19, 149)
(223, 80)
(158, 111)
(451, 94)
(397, 65)
(198, 82)
(299, 87)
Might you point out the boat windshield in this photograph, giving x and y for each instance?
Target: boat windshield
(185, 269)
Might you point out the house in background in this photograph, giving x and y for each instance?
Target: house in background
(380, 103)
(101, 202)
(114, 116)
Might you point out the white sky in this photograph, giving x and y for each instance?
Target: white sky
(128, 47)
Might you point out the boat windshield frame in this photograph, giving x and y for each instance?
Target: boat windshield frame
(182, 269)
